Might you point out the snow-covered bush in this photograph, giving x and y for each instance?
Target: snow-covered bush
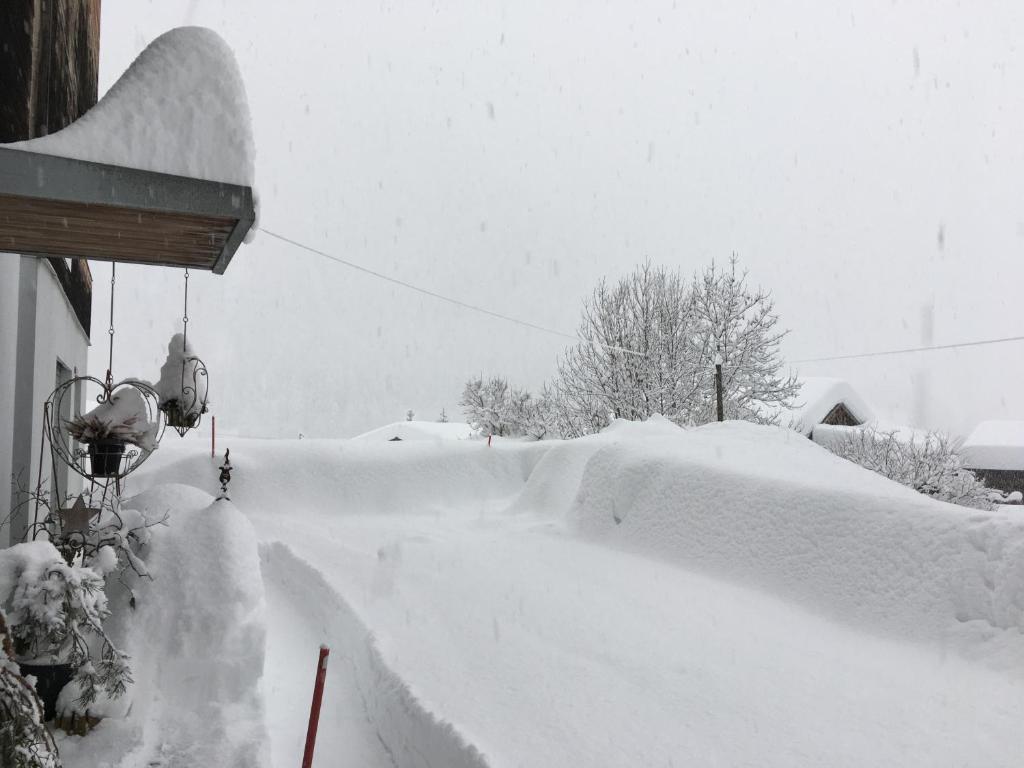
(122, 418)
(183, 385)
(25, 741)
(650, 343)
(495, 408)
(930, 464)
(57, 612)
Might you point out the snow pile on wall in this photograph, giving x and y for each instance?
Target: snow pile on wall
(196, 641)
(995, 445)
(412, 735)
(420, 430)
(180, 108)
(765, 507)
(818, 396)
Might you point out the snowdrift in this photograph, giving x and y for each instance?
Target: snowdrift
(766, 507)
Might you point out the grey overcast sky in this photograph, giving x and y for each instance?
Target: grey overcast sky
(865, 160)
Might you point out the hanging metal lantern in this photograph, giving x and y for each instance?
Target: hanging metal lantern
(184, 381)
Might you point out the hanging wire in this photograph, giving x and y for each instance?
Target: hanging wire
(184, 318)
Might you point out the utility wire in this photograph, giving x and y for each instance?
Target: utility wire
(909, 350)
(442, 297)
(573, 337)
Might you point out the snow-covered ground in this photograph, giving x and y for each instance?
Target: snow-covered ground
(732, 595)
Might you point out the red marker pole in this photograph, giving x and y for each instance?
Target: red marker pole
(314, 710)
(213, 437)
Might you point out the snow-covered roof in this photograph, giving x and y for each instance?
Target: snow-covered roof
(180, 108)
(819, 395)
(420, 430)
(995, 445)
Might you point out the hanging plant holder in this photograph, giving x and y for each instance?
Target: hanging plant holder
(114, 438)
(184, 381)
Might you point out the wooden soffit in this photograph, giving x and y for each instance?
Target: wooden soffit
(56, 206)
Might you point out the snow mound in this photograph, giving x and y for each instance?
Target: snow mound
(420, 430)
(995, 445)
(180, 108)
(766, 507)
(196, 642)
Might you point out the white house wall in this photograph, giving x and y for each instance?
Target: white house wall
(9, 268)
(56, 335)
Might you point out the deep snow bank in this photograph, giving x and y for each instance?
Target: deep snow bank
(196, 640)
(348, 477)
(412, 736)
(767, 507)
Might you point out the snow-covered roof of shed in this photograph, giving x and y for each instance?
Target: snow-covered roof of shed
(995, 445)
(819, 395)
(420, 430)
(180, 109)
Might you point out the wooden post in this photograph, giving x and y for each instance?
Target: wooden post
(718, 384)
(314, 710)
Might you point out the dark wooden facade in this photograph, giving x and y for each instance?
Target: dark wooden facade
(49, 77)
(1005, 480)
(49, 65)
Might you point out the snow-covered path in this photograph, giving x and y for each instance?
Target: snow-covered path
(543, 650)
(475, 622)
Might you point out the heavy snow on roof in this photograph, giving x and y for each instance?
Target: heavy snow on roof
(180, 108)
(995, 445)
(819, 395)
(420, 430)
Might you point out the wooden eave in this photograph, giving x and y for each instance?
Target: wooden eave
(56, 206)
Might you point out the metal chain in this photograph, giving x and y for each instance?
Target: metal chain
(184, 317)
(110, 331)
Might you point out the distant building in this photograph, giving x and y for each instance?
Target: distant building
(828, 402)
(402, 431)
(994, 451)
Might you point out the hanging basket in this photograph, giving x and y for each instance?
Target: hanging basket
(183, 397)
(93, 449)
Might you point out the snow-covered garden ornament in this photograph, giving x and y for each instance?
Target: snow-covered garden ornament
(184, 381)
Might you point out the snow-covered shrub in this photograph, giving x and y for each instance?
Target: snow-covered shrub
(650, 343)
(930, 464)
(495, 408)
(25, 741)
(57, 612)
(183, 385)
(124, 418)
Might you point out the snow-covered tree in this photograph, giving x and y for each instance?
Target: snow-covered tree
(740, 322)
(443, 418)
(485, 404)
(410, 415)
(930, 465)
(638, 355)
(649, 344)
(496, 408)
